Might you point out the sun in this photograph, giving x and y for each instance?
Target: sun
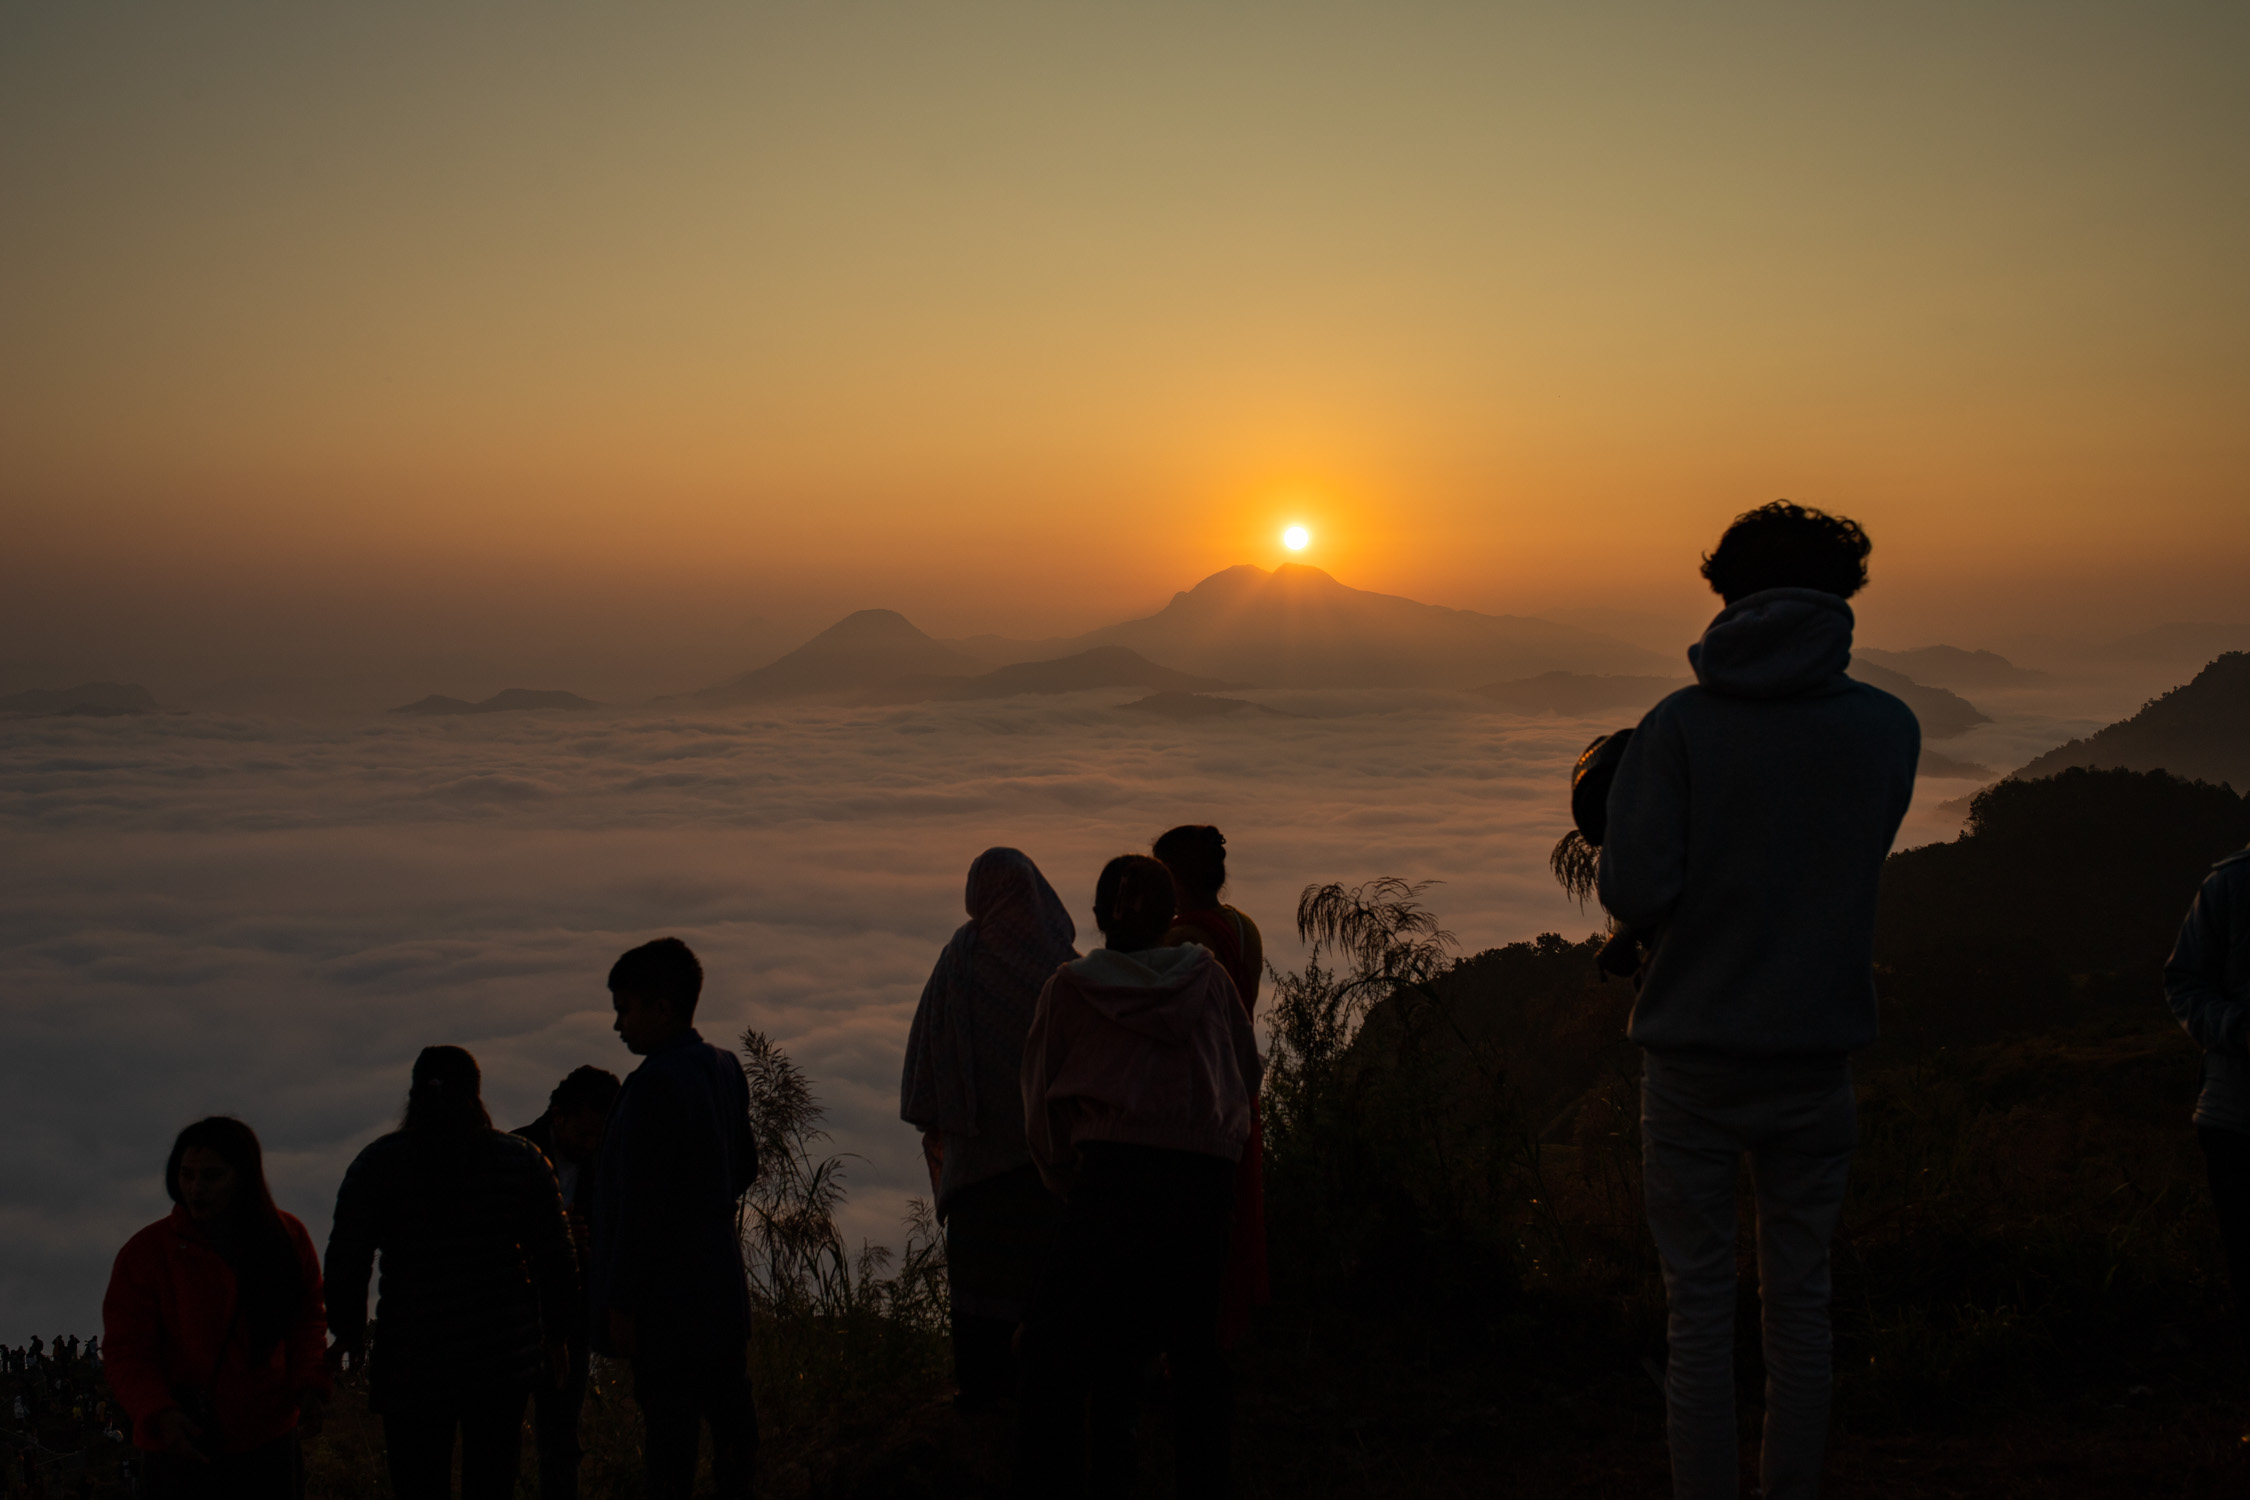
(1296, 539)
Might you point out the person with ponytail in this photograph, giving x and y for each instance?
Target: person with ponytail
(479, 1284)
(212, 1328)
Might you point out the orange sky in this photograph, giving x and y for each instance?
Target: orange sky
(1020, 317)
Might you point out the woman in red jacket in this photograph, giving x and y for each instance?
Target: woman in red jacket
(213, 1331)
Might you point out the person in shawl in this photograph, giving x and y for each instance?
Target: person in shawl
(961, 1086)
(1196, 854)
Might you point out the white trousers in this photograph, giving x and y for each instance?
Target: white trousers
(1796, 1123)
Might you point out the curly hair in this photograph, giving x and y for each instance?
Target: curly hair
(1786, 545)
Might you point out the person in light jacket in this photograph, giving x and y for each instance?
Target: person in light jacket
(1138, 1078)
(1747, 829)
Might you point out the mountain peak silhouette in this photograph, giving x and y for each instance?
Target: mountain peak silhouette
(864, 651)
(1299, 626)
(869, 630)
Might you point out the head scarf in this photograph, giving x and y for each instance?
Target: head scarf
(980, 996)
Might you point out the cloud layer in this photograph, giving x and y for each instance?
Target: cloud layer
(207, 913)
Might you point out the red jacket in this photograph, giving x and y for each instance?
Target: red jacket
(170, 1302)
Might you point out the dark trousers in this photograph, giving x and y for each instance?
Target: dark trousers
(273, 1472)
(2226, 1158)
(1136, 1272)
(554, 1420)
(418, 1440)
(678, 1396)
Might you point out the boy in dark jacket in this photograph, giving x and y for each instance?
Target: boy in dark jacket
(1747, 830)
(669, 1292)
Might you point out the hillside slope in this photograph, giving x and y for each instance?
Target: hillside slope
(2199, 730)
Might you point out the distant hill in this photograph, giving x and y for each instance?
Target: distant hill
(864, 653)
(1102, 667)
(1578, 693)
(1947, 768)
(2064, 892)
(2200, 730)
(88, 699)
(509, 700)
(1298, 627)
(2180, 641)
(1191, 706)
(1952, 667)
(1943, 714)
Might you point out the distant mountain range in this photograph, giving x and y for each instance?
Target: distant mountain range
(1190, 707)
(1292, 627)
(1298, 627)
(1952, 667)
(88, 699)
(2200, 731)
(1943, 714)
(1102, 667)
(510, 700)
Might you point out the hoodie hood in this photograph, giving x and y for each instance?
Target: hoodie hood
(1778, 643)
(1156, 991)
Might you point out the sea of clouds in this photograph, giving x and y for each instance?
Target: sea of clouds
(209, 913)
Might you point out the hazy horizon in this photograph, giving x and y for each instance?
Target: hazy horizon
(414, 332)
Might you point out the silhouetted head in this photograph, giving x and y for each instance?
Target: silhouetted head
(217, 1169)
(1788, 546)
(217, 1172)
(578, 1110)
(1133, 903)
(654, 989)
(443, 1093)
(1196, 854)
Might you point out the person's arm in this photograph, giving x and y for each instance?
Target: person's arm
(1644, 850)
(1244, 1037)
(918, 1084)
(1253, 955)
(2195, 974)
(647, 1152)
(543, 1233)
(307, 1352)
(745, 1153)
(1043, 1132)
(352, 1237)
(133, 1333)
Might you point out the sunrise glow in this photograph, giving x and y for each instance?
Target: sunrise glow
(1296, 538)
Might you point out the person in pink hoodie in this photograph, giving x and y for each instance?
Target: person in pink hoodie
(1138, 1080)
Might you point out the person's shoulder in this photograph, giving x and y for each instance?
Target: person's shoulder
(378, 1152)
(514, 1149)
(2229, 879)
(1872, 700)
(299, 1235)
(150, 1239)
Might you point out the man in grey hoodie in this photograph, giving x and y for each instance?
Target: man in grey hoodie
(1138, 1077)
(1748, 826)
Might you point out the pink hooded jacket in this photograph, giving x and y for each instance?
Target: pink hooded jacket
(1145, 1049)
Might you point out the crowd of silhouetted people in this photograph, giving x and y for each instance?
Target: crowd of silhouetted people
(1091, 1126)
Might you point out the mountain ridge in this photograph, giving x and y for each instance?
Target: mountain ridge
(2199, 730)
